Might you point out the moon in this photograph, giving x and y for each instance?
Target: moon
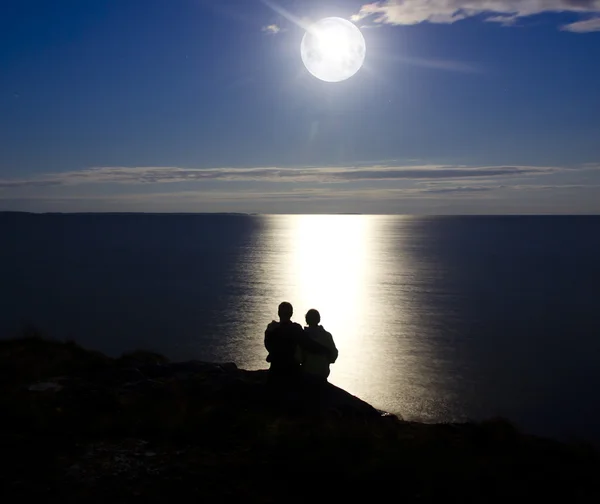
(333, 49)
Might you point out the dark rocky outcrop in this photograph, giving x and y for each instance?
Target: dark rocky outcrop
(79, 426)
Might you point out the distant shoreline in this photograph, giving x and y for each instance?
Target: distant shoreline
(253, 214)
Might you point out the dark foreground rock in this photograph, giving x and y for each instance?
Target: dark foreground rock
(77, 426)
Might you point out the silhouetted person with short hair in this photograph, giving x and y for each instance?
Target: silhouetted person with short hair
(282, 341)
(315, 366)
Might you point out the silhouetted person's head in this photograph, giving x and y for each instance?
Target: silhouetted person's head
(285, 311)
(313, 317)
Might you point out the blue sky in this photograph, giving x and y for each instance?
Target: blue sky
(462, 106)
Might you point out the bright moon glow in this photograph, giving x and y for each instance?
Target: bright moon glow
(333, 49)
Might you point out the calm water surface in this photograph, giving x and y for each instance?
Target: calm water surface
(438, 319)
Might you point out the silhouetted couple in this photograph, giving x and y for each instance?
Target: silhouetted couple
(299, 356)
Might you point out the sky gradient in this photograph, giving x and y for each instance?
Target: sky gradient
(462, 106)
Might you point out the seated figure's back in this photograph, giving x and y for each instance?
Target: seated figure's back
(281, 340)
(316, 364)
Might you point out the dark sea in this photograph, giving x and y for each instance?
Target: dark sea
(435, 318)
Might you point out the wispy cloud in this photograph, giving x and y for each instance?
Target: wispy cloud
(421, 189)
(162, 175)
(440, 64)
(586, 26)
(504, 20)
(271, 29)
(9, 184)
(480, 199)
(410, 12)
(460, 189)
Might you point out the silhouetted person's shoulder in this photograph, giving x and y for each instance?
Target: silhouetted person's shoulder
(311, 345)
(274, 324)
(296, 329)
